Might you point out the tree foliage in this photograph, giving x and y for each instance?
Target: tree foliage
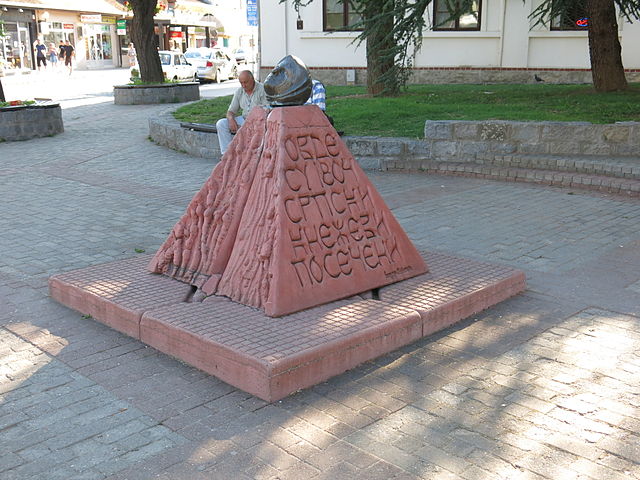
(548, 9)
(392, 31)
(394, 42)
(605, 52)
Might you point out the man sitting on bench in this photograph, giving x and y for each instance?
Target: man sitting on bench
(250, 94)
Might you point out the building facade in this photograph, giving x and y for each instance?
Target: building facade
(99, 30)
(17, 29)
(89, 25)
(497, 42)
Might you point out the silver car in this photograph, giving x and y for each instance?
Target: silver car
(213, 64)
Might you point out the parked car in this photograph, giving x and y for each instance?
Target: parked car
(241, 55)
(212, 64)
(176, 67)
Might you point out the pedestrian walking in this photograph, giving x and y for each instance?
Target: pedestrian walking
(40, 50)
(132, 55)
(61, 51)
(53, 55)
(69, 53)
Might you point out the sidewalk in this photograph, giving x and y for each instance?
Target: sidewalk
(543, 386)
(84, 86)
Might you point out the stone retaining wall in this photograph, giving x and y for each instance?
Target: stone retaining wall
(383, 153)
(25, 122)
(464, 141)
(166, 130)
(153, 94)
(372, 152)
(502, 143)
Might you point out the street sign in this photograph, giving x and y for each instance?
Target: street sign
(121, 27)
(252, 13)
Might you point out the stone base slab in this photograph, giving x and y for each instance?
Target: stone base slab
(274, 357)
(118, 293)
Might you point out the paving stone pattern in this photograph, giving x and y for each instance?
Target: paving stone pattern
(57, 423)
(543, 386)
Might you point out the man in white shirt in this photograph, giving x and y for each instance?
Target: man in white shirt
(250, 94)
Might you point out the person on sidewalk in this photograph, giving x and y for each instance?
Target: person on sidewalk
(53, 55)
(61, 51)
(131, 53)
(41, 50)
(69, 53)
(250, 94)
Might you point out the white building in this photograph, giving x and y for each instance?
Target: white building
(496, 43)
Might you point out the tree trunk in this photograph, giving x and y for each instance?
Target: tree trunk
(143, 36)
(382, 72)
(604, 47)
(2, 99)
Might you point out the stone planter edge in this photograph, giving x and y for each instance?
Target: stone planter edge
(156, 94)
(24, 122)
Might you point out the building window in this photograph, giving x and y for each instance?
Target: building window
(339, 15)
(575, 18)
(467, 21)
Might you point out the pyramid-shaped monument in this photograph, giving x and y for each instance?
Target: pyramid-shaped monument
(288, 220)
(199, 246)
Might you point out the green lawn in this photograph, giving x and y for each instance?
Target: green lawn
(404, 116)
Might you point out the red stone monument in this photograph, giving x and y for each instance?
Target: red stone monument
(287, 221)
(199, 246)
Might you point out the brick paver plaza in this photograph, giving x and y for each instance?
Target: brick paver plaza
(543, 386)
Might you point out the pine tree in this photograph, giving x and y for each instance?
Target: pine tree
(391, 29)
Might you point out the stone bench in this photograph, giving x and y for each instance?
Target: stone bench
(199, 127)
(165, 130)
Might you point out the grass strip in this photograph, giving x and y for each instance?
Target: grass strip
(403, 116)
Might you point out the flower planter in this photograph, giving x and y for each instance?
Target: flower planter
(23, 122)
(161, 93)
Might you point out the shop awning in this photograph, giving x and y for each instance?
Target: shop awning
(191, 12)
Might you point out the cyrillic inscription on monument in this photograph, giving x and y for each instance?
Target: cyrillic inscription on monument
(334, 226)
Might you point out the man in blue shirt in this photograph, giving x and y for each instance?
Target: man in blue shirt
(318, 95)
(40, 49)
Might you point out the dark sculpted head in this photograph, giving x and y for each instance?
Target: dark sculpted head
(289, 83)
